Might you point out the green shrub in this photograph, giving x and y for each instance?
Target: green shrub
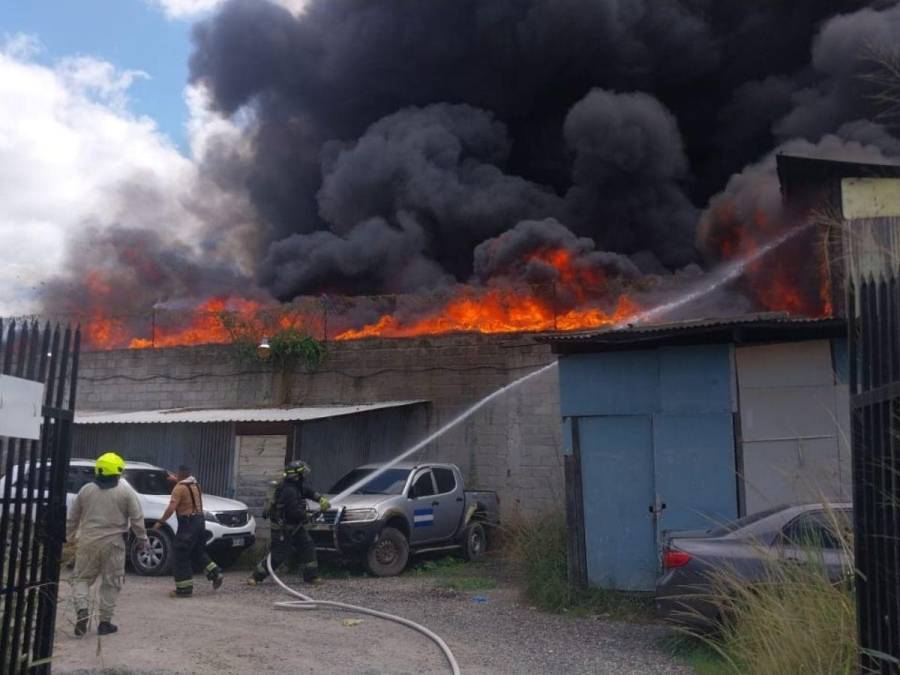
(539, 550)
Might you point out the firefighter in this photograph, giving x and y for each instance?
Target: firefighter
(100, 517)
(190, 540)
(288, 515)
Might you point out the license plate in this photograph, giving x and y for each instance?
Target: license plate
(237, 542)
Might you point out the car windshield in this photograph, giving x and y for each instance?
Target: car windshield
(149, 481)
(391, 482)
(735, 525)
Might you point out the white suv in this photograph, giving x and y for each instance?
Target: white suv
(229, 526)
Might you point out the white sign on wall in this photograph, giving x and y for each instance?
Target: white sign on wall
(20, 407)
(870, 198)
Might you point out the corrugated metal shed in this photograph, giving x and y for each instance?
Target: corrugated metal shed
(208, 448)
(746, 328)
(215, 415)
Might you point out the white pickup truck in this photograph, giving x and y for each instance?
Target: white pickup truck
(410, 508)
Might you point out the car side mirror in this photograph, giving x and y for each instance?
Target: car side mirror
(412, 492)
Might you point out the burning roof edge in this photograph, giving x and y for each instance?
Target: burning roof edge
(212, 415)
(743, 329)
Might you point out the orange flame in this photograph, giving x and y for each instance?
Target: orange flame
(791, 279)
(494, 311)
(205, 327)
(776, 282)
(502, 310)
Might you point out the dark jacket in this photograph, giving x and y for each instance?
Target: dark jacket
(289, 504)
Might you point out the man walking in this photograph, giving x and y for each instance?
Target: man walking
(190, 540)
(101, 515)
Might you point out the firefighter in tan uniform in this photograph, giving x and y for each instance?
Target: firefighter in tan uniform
(190, 540)
(101, 516)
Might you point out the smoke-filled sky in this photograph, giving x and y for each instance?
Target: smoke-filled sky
(397, 146)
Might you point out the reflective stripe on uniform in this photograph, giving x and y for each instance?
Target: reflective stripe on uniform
(185, 584)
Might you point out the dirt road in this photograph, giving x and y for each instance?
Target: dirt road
(237, 630)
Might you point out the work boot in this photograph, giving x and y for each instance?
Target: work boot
(179, 594)
(81, 623)
(106, 628)
(311, 574)
(214, 574)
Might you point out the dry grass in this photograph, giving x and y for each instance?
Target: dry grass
(796, 621)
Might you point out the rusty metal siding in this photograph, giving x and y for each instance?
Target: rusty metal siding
(208, 448)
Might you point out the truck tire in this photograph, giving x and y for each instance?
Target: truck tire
(157, 561)
(387, 557)
(474, 542)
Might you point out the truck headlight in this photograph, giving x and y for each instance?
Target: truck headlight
(210, 516)
(359, 515)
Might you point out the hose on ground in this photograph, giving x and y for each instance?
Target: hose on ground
(306, 602)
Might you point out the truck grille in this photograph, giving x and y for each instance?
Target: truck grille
(326, 518)
(233, 518)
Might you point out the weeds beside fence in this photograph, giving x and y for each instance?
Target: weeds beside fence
(538, 550)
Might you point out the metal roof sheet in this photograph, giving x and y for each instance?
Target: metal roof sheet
(208, 415)
(635, 332)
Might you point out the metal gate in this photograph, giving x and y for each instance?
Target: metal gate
(874, 318)
(32, 529)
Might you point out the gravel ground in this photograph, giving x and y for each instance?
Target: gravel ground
(237, 630)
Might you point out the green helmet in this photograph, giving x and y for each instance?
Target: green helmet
(296, 470)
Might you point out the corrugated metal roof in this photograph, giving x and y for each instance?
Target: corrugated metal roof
(688, 324)
(209, 415)
(760, 322)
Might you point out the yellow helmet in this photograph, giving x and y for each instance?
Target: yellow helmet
(109, 464)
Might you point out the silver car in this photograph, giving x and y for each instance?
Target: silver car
(746, 549)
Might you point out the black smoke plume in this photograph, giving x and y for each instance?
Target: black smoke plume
(392, 137)
(407, 146)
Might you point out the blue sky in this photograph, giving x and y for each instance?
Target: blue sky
(130, 34)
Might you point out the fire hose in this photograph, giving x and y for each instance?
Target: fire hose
(306, 602)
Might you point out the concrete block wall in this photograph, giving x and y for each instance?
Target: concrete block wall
(512, 445)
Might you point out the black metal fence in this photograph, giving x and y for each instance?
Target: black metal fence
(32, 527)
(874, 318)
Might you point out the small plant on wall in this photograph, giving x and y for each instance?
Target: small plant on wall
(290, 346)
(284, 347)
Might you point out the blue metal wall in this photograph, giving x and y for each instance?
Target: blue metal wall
(656, 439)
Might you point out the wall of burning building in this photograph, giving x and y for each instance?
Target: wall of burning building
(512, 446)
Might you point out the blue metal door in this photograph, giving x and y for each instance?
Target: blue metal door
(694, 470)
(617, 479)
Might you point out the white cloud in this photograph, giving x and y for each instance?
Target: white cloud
(67, 145)
(21, 45)
(92, 78)
(189, 9)
(180, 9)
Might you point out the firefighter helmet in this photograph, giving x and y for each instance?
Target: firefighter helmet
(296, 470)
(109, 464)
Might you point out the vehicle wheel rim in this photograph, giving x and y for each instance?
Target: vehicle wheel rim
(476, 542)
(152, 556)
(386, 552)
